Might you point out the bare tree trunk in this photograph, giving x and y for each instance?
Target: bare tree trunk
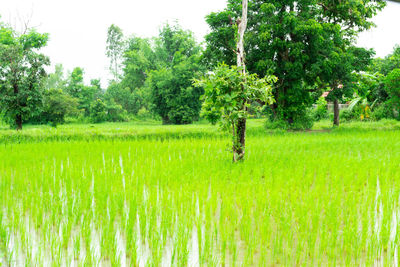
(240, 137)
(336, 112)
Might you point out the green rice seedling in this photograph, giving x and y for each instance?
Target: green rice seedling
(308, 198)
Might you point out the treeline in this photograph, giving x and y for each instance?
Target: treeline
(308, 45)
(152, 79)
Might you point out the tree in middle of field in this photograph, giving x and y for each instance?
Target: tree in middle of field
(229, 92)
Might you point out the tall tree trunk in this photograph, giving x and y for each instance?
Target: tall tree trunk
(240, 140)
(336, 112)
(240, 137)
(18, 117)
(18, 122)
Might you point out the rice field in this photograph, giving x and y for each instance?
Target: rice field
(131, 195)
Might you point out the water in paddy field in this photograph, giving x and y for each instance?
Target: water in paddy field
(37, 252)
(30, 246)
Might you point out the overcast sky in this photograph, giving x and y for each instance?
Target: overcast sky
(78, 28)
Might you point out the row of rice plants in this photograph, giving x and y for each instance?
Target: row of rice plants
(298, 199)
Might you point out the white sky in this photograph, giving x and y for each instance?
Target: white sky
(78, 28)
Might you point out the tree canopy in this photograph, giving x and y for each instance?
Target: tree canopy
(292, 40)
(21, 74)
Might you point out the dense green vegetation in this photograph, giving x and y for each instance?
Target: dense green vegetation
(327, 197)
(308, 45)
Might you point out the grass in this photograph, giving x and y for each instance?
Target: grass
(152, 195)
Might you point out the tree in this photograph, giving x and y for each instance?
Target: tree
(130, 101)
(139, 60)
(75, 82)
(98, 111)
(392, 84)
(56, 80)
(114, 49)
(172, 94)
(21, 74)
(85, 94)
(56, 105)
(340, 73)
(229, 92)
(288, 38)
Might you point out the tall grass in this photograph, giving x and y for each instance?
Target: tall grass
(319, 198)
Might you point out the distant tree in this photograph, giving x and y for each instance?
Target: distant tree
(114, 49)
(84, 93)
(139, 60)
(392, 85)
(115, 112)
(172, 94)
(98, 111)
(21, 74)
(75, 82)
(130, 101)
(340, 73)
(56, 80)
(56, 105)
(387, 64)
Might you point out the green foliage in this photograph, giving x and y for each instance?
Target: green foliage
(115, 49)
(98, 111)
(321, 111)
(387, 64)
(172, 95)
(350, 114)
(385, 111)
(115, 112)
(56, 106)
(392, 85)
(296, 41)
(228, 94)
(21, 74)
(86, 95)
(139, 60)
(56, 80)
(123, 96)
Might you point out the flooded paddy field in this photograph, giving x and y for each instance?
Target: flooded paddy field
(322, 198)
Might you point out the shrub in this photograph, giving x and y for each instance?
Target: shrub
(349, 114)
(302, 121)
(321, 111)
(115, 112)
(98, 111)
(384, 111)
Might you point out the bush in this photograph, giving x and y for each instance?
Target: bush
(350, 114)
(56, 106)
(144, 113)
(276, 124)
(302, 121)
(115, 112)
(392, 85)
(321, 111)
(384, 111)
(98, 111)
